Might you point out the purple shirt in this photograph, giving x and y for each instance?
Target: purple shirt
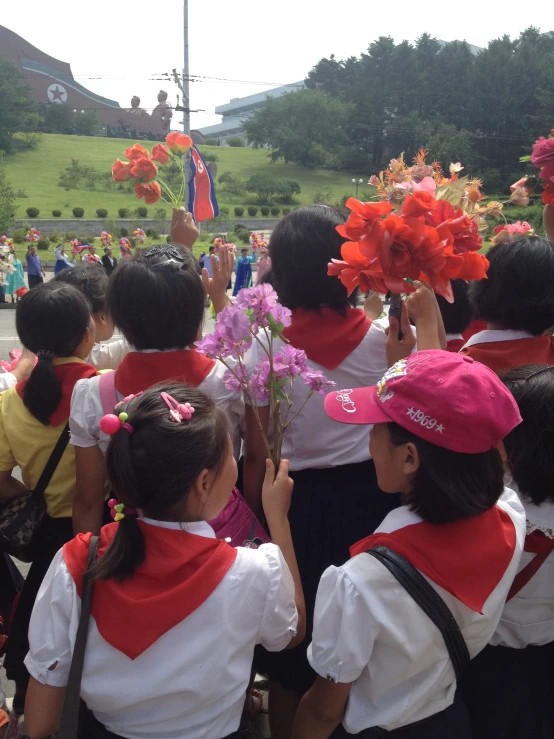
(34, 265)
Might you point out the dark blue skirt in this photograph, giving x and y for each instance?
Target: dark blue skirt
(509, 693)
(331, 509)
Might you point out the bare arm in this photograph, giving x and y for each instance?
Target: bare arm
(548, 221)
(183, 228)
(43, 709)
(88, 502)
(255, 457)
(10, 487)
(276, 494)
(321, 710)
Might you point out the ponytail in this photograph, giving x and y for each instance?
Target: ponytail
(125, 554)
(43, 390)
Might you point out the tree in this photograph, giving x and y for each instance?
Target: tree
(8, 208)
(305, 127)
(233, 185)
(263, 185)
(58, 118)
(87, 123)
(18, 111)
(286, 189)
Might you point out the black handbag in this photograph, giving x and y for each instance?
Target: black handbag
(429, 601)
(21, 517)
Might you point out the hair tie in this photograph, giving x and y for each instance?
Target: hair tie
(45, 356)
(178, 412)
(118, 510)
(110, 424)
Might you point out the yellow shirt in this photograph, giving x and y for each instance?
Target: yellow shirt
(27, 443)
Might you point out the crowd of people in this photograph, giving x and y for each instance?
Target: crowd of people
(402, 582)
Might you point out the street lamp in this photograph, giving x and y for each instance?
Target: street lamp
(357, 183)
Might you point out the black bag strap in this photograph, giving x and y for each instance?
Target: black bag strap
(429, 601)
(53, 462)
(69, 725)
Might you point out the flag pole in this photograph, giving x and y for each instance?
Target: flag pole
(186, 95)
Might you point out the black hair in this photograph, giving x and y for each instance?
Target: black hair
(156, 298)
(457, 316)
(451, 486)
(211, 249)
(107, 249)
(529, 446)
(267, 279)
(244, 250)
(301, 247)
(154, 468)
(90, 279)
(51, 321)
(519, 291)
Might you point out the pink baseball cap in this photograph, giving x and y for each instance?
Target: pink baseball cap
(445, 398)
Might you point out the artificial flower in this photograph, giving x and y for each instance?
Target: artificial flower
(136, 152)
(120, 171)
(520, 196)
(548, 194)
(363, 217)
(522, 183)
(151, 192)
(160, 154)
(455, 168)
(547, 172)
(543, 152)
(143, 170)
(178, 143)
(418, 204)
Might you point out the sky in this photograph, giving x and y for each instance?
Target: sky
(117, 48)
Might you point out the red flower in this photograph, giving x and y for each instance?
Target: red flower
(418, 204)
(143, 170)
(178, 143)
(136, 152)
(464, 229)
(151, 192)
(363, 218)
(548, 194)
(160, 154)
(543, 152)
(120, 171)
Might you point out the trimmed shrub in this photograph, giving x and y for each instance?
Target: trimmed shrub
(70, 236)
(210, 142)
(160, 213)
(210, 156)
(55, 237)
(33, 212)
(57, 213)
(43, 243)
(252, 210)
(123, 212)
(142, 212)
(265, 209)
(239, 211)
(286, 211)
(78, 212)
(245, 237)
(152, 233)
(86, 238)
(168, 239)
(124, 232)
(101, 213)
(224, 211)
(236, 141)
(275, 211)
(19, 236)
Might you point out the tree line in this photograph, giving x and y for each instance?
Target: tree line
(483, 109)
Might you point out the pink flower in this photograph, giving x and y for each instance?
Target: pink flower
(235, 322)
(259, 381)
(317, 382)
(547, 172)
(236, 382)
(289, 362)
(427, 184)
(520, 196)
(518, 227)
(543, 152)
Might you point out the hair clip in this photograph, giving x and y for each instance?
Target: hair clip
(118, 510)
(178, 412)
(128, 399)
(110, 424)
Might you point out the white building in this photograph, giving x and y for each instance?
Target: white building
(239, 110)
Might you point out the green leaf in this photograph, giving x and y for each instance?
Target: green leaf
(454, 192)
(281, 384)
(525, 159)
(281, 395)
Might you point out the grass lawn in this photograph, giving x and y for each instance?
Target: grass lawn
(35, 172)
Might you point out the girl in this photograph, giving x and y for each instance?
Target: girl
(62, 260)
(243, 271)
(156, 298)
(336, 499)
(381, 661)
(170, 601)
(510, 685)
(517, 302)
(16, 279)
(92, 281)
(54, 322)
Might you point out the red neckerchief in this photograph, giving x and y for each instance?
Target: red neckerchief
(454, 345)
(500, 356)
(466, 558)
(68, 374)
(140, 370)
(179, 573)
(327, 337)
(542, 547)
(474, 328)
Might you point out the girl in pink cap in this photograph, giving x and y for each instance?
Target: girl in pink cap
(397, 624)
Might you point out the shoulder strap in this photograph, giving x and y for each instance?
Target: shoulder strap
(53, 462)
(429, 601)
(69, 725)
(108, 393)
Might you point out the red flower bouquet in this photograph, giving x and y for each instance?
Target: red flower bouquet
(542, 157)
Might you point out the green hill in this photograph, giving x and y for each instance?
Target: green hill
(35, 173)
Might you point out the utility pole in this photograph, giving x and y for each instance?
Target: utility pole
(186, 73)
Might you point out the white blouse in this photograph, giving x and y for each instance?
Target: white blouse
(86, 410)
(528, 618)
(313, 440)
(7, 380)
(192, 681)
(370, 632)
(109, 354)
